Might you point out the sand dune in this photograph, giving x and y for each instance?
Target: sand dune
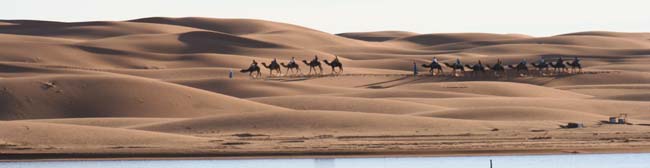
(612, 91)
(314, 122)
(19, 70)
(625, 67)
(377, 36)
(74, 136)
(186, 42)
(514, 113)
(611, 34)
(258, 29)
(631, 97)
(86, 30)
(437, 39)
(245, 88)
(601, 107)
(495, 89)
(575, 40)
(397, 93)
(346, 104)
(106, 96)
(161, 85)
(106, 122)
(616, 77)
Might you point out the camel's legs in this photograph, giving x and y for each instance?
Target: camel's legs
(298, 72)
(321, 69)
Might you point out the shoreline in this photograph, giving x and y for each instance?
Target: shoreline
(37, 157)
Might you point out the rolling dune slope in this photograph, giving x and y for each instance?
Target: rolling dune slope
(111, 96)
(315, 122)
(153, 86)
(345, 104)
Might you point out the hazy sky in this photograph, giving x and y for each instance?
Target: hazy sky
(539, 17)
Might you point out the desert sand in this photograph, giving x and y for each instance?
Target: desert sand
(160, 87)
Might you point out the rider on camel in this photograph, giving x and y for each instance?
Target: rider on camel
(315, 58)
(292, 61)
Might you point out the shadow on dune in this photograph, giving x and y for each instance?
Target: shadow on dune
(231, 26)
(214, 42)
(100, 50)
(54, 29)
(437, 39)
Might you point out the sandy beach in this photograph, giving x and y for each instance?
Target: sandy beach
(161, 88)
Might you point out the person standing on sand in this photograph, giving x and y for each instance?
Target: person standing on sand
(230, 74)
(415, 69)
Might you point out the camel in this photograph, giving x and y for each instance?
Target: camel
(433, 66)
(291, 66)
(497, 68)
(559, 66)
(334, 64)
(252, 69)
(455, 67)
(575, 64)
(542, 67)
(520, 67)
(312, 65)
(476, 68)
(273, 67)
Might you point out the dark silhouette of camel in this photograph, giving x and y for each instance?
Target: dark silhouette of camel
(251, 70)
(497, 68)
(334, 64)
(291, 66)
(312, 65)
(456, 67)
(520, 67)
(559, 66)
(433, 66)
(542, 67)
(575, 64)
(273, 67)
(476, 68)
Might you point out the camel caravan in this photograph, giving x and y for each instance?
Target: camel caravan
(539, 68)
(293, 68)
(498, 69)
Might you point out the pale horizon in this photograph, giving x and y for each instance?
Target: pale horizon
(536, 18)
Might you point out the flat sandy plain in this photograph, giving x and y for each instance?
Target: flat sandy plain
(159, 87)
